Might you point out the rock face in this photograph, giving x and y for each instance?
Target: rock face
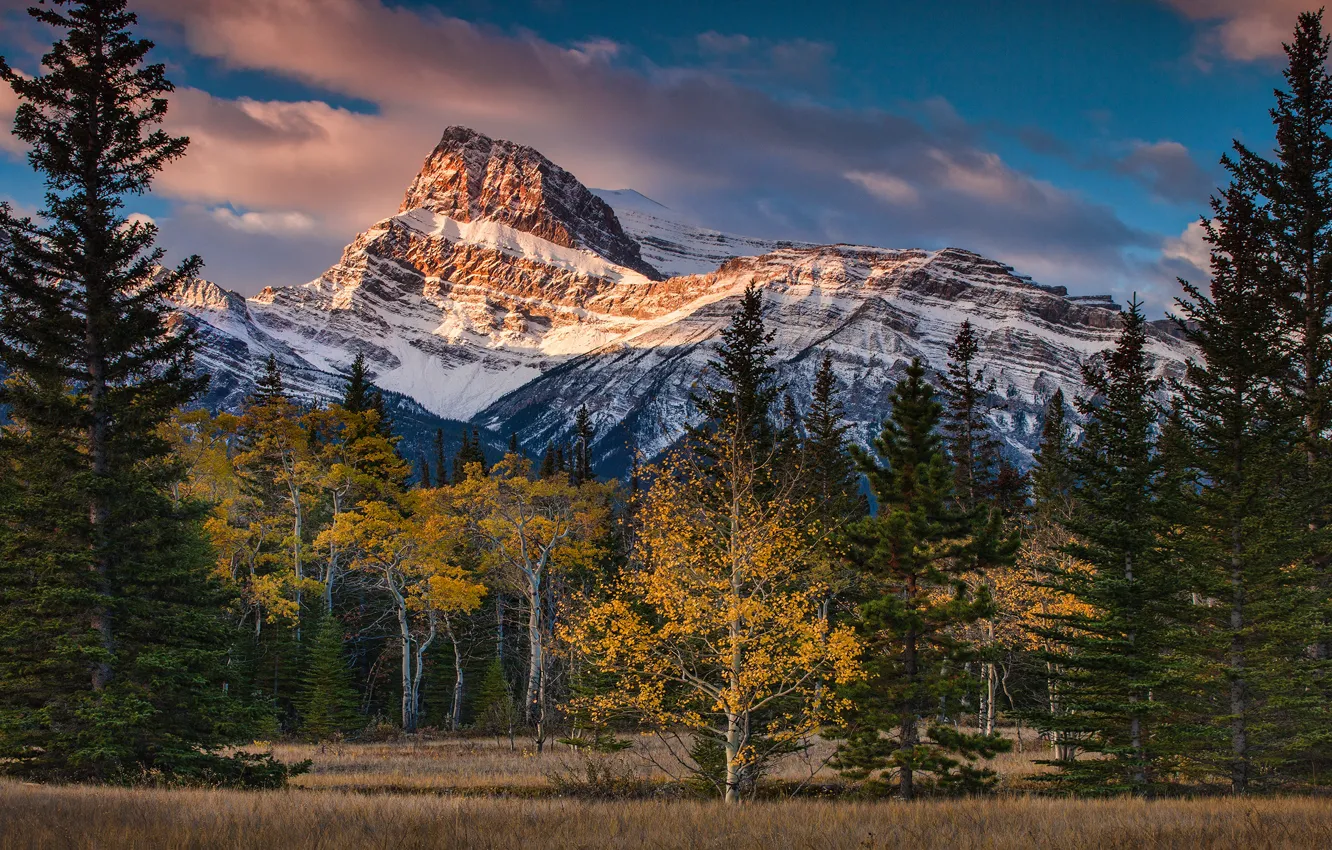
(505, 292)
(470, 177)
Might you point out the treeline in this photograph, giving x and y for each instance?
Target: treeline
(1153, 595)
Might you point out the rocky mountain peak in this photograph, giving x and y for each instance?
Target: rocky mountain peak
(472, 177)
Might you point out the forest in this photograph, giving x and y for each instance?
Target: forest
(1143, 607)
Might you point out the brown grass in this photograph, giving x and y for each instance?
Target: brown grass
(85, 817)
(480, 766)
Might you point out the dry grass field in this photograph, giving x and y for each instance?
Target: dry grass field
(55, 818)
(463, 793)
(484, 766)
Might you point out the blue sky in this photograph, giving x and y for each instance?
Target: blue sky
(1077, 141)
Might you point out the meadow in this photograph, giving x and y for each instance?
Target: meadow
(465, 792)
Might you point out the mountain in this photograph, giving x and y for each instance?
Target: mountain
(505, 293)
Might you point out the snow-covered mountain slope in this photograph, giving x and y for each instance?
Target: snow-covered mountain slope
(673, 243)
(506, 292)
(872, 309)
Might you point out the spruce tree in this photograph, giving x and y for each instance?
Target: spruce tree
(356, 398)
(268, 388)
(971, 443)
(584, 431)
(1296, 188)
(328, 700)
(1111, 653)
(112, 625)
(461, 459)
(424, 467)
(912, 555)
(744, 391)
(1242, 526)
(441, 460)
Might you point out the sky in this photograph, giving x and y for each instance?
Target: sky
(1078, 141)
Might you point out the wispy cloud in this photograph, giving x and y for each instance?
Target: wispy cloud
(1244, 29)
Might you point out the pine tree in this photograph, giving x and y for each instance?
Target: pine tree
(424, 472)
(584, 431)
(1241, 525)
(744, 392)
(548, 468)
(441, 460)
(356, 398)
(328, 701)
(513, 445)
(461, 459)
(913, 555)
(114, 640)
(971, 443)
(268, 388)
(1111, 653)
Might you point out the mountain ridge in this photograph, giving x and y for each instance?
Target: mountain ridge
(506, 293)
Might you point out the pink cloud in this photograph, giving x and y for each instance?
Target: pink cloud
(1246, 29)
(342, 169)
(8, 103)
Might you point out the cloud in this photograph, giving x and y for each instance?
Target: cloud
(1167, 169)
(8, 104)
(1189, 249)
(889, 187)
(1245, 29)
(274, 223)
(706, 139)
(337, 169)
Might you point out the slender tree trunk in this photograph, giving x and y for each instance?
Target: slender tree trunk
(535, 651)
(734, 733)
(408, 701)
(1135, 719)
(909, 733)
(1239, 743)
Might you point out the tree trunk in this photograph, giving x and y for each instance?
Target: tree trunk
(1239, 743)
(733, 746)
(408, 702)
(455, 710)
(909, 733)
(535, 653)
(1135, 721)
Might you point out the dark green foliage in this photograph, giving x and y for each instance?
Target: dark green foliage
(1113, 658)
(114, 638)
(582, 448)
(328, 701)
(744, 391)
(268, 388)
(357, 397)
(912, 556)
(441, 460)
(494, 706)
(423, 471)
(971, 443)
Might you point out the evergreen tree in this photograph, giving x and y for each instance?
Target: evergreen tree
(548, 468)
(1241, 524)
(425, 471)
(971, 443)
(328, 701)
(112, 627)
(1112, 653)
(460, 460)
(743, 395)
(513, 444)
(441, 460)
(268, 388)
(829, 467)
(913, 555)
(356, 398)
(582, 450)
